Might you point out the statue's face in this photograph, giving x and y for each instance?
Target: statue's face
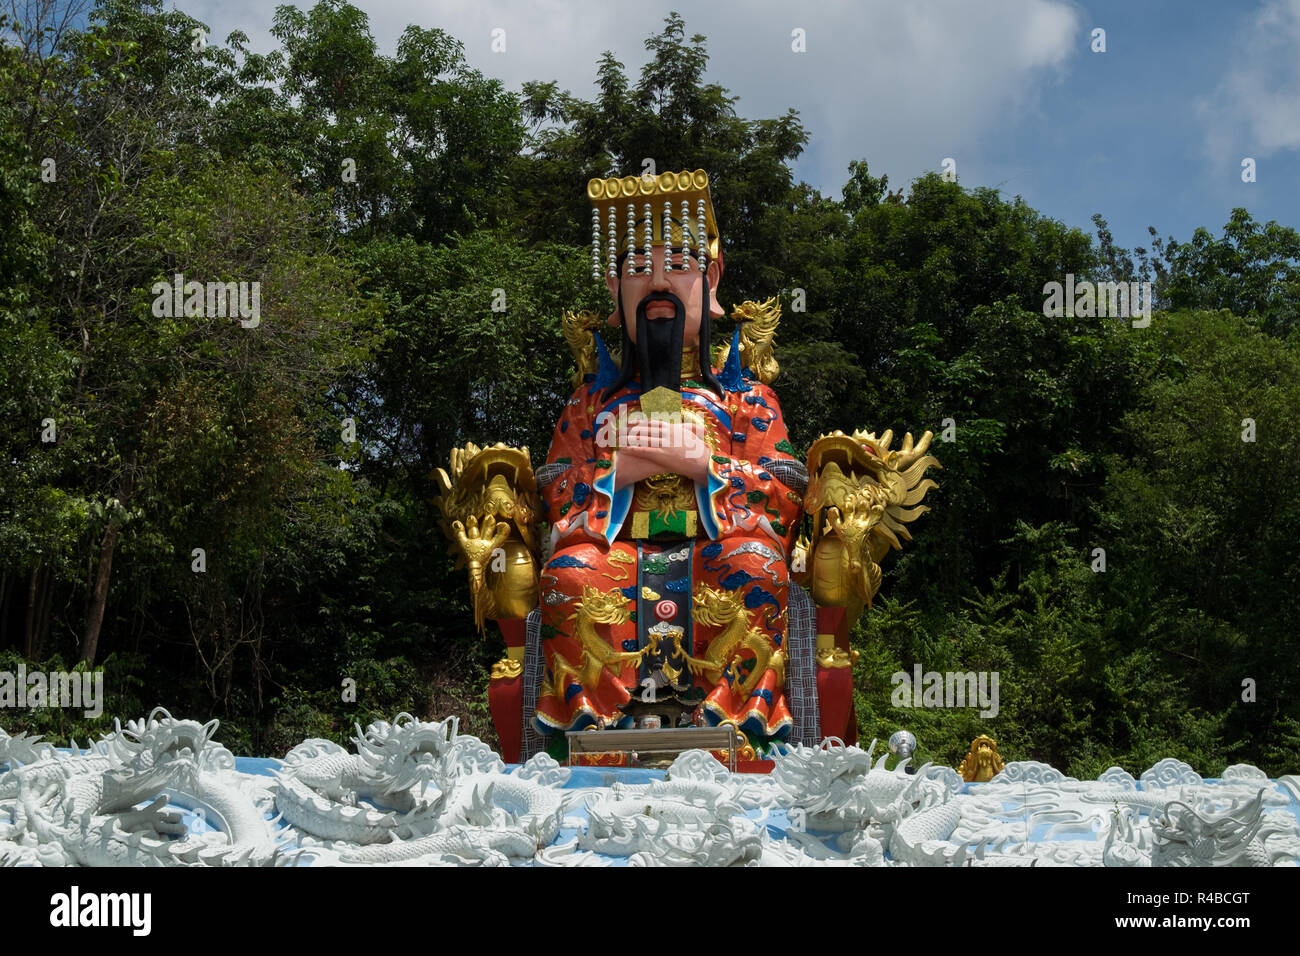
(688, 286)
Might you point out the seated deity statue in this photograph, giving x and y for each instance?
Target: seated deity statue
(675, 508)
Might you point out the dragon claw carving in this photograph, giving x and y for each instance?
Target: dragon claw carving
(489, 508)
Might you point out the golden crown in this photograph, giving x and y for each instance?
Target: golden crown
(636, 212)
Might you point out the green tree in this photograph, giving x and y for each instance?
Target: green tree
(1252, 270)
(415, 144)
(1204, 560)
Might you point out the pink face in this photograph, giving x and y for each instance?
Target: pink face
(687, 286)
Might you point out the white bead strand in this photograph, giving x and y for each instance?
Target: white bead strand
(667, 234)
(649, 237)
(631, 239)
(686, 234)
(612, 265)
(700, 235)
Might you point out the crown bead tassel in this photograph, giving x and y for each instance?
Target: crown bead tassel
(667, 232)
(699, 219)
(649, 237)
(612, 265)
(680, 236)
(686, 235)
(631, 239)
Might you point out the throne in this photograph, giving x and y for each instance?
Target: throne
(859, 492)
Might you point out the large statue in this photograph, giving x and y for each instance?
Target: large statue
(675, 501)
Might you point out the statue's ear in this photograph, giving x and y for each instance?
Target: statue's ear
(611, 283)
(715, 276)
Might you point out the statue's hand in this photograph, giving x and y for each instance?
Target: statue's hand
(683, 438)
(653, 446)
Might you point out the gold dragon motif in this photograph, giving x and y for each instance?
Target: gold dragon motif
(599, 607)
(983, 762)
(489, 506)
(579, 330)
(758, 322)
(726, 609)
(862, 493)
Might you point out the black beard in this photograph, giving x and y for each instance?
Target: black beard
(659, 344)
(656, 358)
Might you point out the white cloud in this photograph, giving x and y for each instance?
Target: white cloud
(1255, 109)
(900, 84)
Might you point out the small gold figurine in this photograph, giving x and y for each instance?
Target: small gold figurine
(982, 764)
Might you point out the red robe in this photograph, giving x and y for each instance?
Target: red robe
(746, 522)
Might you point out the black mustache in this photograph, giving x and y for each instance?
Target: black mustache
(666, 297)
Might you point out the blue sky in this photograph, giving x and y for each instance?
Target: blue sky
(1150, 132)
(1153, 131)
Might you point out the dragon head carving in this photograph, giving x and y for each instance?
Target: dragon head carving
(406, 752)
(862, 493)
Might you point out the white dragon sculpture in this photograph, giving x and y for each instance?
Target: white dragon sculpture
(120, 803)
(419, 793)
